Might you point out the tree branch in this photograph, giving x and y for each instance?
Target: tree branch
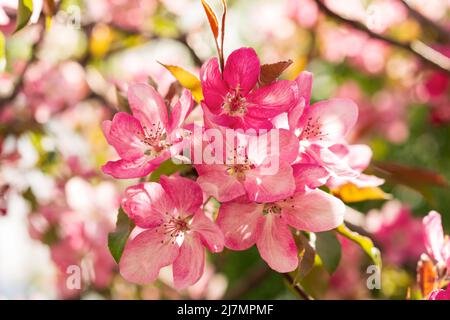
(425, 53)
(442, 32)
(298, 289)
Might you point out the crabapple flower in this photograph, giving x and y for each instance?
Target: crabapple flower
(267, 224)
(233, 99)
(148, 137)
(175, 231)
(437, 246)
(256, 174)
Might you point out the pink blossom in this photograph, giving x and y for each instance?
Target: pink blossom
(397, 232)
(176, 231)
(304, 12)
(40, 82)
(437, 246)
(233, 99)
(148, 137)
(245, 174)
(267, 224)
(321, 129)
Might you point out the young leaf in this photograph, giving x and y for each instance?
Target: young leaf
(328, 248)
(427, 276)
(351, 193)
(2, 52)
(411, 176)
(118, 239)
(364, 242)
(212, 19)
(187, 80)
(24, 12)
(306, 256)
(270, 72)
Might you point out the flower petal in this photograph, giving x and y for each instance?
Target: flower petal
(242, 70)
(209, 233)
(213, 87)
(239, 221)
(146, 204)
(434, 235)
(273, 99)
(328, 120)
(145, 255)
(147, 106)
(186, 195)
(188, 267)
(221, 185)
(124, 133)
(276, 244)
(313, 211)
(309, 176)
(266, 185)
(129, 169)
(181, 110)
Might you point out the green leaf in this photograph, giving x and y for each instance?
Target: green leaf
(2, 52)
(187, 80)
(118, 239)
(168, 168)
(364, 242)
(328, 248)
(24, 12)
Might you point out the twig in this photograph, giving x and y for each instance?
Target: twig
(19, 83)
(296, 286)
(425, 53)
(443, 33)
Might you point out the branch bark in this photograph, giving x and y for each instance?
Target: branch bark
(417, 48)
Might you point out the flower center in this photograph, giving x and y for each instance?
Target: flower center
(312, 129)
(271, 208)
(235, 104)
(175, 228)
(155, 138)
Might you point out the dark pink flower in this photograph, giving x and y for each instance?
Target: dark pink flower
(233, 99)
(148, 137)
(176, 231)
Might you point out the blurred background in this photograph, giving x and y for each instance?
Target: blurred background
(66, 71)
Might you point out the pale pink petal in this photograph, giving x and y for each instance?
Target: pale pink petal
(148, 106)
(434, 235)
(276, 142)
(129, 169)
(265, 186)
(147, 204)
(304, 83)
(145, 255)
(313, 211)
(124, 133)
(296, 113)
(209, 233)
(359, 156)
(309, 176)
(273, 99)
(242, 70)
(336, 166)
(188, 267)
(213, 87)
(328, 120)
(181, 110)
(186, 195)
(240, 223)
(276, 244)
(221, 185)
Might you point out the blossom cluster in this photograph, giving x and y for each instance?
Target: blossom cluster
(257, 206)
